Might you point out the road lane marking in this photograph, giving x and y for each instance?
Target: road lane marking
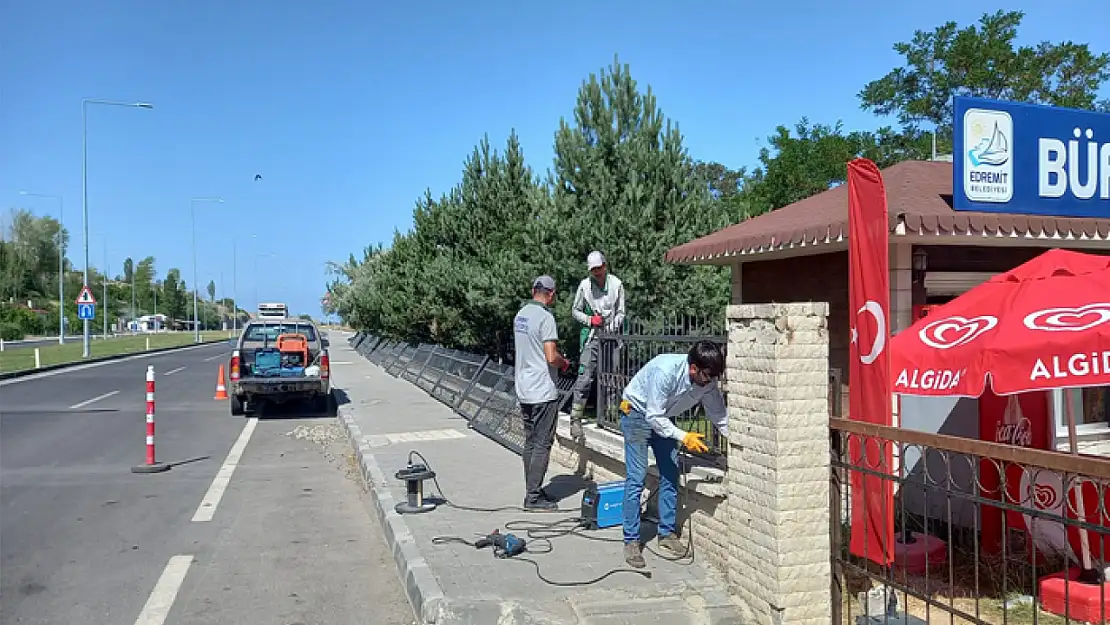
(207, 508)
(161, 599)
(381, 440)
(94, 399)
(214, 357)
(173, 371)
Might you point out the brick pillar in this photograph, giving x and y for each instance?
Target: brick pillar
(778, 477)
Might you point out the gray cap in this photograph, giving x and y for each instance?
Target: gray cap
(595, 260)
(546, 283)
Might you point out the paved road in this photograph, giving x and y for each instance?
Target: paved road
(279, 534)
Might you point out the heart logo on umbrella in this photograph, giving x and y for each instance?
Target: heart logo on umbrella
(955, 331)
(1069, 319)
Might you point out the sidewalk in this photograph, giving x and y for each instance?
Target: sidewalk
(449, 584)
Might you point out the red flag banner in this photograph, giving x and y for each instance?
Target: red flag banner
(872, 501)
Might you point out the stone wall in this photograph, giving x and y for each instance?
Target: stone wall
(778, 474)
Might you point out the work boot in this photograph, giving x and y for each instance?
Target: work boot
(671, 543)
(540, 505)
(633, 554)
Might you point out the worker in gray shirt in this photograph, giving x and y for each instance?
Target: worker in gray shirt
(534, 340)
(598, 306)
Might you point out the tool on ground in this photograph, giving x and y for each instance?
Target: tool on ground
(151, 465)
(603, 505)
(442, 498)
(504, 545)
(221, 389)
(414, 476)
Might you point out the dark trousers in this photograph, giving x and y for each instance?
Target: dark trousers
(539, 434)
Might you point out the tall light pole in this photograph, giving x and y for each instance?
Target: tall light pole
(134, 324)
(234, 292)
(85, 189)
(193, 221)
(105, 288)
(61, 264)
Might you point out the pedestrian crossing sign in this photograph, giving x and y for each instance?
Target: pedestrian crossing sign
(86, 296)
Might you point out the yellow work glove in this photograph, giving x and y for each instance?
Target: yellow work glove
(693, 443)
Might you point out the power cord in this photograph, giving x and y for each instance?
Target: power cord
(544, 532)
(447, 502)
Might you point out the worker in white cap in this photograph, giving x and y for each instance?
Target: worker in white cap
(598, 306)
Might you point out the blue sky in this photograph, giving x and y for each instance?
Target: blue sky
(349, 110)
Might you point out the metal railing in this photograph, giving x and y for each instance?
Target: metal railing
(481, 390)
(622, 354)
(476, 387)
(984, 532)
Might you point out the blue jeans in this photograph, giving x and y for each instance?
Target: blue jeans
(638, 436)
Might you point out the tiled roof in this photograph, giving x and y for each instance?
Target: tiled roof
(919, 196)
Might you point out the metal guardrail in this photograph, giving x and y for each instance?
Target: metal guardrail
(477, 388)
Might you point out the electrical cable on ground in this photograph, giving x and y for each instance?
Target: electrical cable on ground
(569, 526)
(447, 502)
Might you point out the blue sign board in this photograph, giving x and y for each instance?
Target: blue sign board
(86, 311)
(1030, 159)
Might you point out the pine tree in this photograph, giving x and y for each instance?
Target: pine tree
(624, 184)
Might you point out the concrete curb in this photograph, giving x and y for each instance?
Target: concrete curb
(11, 375)
(423, 590)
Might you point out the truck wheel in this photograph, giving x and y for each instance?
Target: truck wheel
(237, 406)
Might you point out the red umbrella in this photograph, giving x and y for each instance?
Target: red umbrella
(1044, 325)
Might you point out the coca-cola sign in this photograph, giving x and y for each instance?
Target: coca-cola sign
(1019, 433)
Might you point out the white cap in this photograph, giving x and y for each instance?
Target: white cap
(595, 260)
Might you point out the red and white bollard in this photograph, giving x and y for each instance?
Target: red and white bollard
(151, 465)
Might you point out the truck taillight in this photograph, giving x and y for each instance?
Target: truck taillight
(324, 366)
(235, 366)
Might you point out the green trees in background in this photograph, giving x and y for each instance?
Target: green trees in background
(29, 273)
(622, 182)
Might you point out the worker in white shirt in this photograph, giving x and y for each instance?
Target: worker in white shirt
(598, 305)
(664, 388)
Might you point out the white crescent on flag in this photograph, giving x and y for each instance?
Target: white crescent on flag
(879, 343)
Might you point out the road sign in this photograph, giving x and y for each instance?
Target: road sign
(86, 311)
(86, 296)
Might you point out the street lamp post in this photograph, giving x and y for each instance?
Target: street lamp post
(105, 289)
(85, 189)
(61, 264)
(134, 324)
(234, 291)
(193, 221)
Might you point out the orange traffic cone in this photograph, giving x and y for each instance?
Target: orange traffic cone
(221, 390)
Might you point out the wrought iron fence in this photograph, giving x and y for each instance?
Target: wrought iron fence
(984, 532)
(621, 355)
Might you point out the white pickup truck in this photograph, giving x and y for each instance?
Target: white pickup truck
(277, 361)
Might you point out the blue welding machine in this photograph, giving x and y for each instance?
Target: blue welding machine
(603, 505)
